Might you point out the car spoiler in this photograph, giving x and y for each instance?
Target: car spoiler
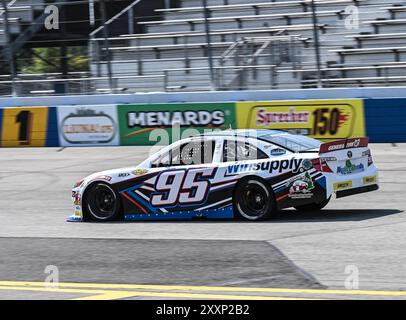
(343, 144)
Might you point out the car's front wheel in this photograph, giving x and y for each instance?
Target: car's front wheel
(313, 206)
(253, 200)
(101, 203)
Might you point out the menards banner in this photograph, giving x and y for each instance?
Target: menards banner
(150, 124)
(321, 119)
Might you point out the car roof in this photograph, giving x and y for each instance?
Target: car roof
(248, 133)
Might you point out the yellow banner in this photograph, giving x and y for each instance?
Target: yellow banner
(320, 119)
(24, 127)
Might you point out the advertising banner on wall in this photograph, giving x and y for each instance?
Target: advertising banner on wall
(24, 127)
(89, 125)
(321, 119)
(163, 124)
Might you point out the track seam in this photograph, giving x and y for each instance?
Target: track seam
(303, 272)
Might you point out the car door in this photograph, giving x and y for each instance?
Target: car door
(241, 156)
(184, 184)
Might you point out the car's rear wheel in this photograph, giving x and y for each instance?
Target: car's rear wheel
(101, 203)
(253, 200)
(313, 206)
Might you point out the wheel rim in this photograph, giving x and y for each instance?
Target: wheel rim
(103, 202)
(254, 201)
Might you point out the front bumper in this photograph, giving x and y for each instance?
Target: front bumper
(77, 215)
(77, 201)
(74, 219)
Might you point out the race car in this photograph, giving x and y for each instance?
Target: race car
(245, 174)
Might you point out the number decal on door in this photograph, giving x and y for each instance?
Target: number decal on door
(167, 186)
(182, 187)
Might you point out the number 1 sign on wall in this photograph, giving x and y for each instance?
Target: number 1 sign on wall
(24, 127)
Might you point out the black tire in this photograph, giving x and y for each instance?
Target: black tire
(253, 199)
(101, 203)
(313, 206)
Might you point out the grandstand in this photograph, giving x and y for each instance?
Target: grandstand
(26, 31)
(195, 45)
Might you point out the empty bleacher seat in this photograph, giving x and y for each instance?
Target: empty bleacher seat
(238, 21)
(176, 44)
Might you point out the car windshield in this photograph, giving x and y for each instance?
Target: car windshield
(292, 142)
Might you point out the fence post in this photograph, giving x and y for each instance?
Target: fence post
(166, 80)
(131, 21)
(316, 44)
(209, 48)
(106, 44)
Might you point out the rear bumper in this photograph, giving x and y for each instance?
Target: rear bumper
(350, 192)
(340, 184)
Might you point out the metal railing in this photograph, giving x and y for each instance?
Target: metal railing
(109, 28)
(80, 83)
(245, 53)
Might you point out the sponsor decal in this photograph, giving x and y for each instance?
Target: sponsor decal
(335, 147)
(139, 172)
(301, 187)
(370, 179)
(107, 178)
(77, 213)
(302, 132)
(350, 168)
(307, 164)
(276, 166)
(77, 200)
(342, 185)
(353, 143)
(278, 152)
(344, 144)
(123, 174)
(88, 125)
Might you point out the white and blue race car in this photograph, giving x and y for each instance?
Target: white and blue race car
(246, 174)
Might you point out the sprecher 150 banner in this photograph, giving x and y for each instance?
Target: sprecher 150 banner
(320, 119)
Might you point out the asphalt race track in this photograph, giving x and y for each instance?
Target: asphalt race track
(291, 257)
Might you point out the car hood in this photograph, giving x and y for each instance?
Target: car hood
(116, 175)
